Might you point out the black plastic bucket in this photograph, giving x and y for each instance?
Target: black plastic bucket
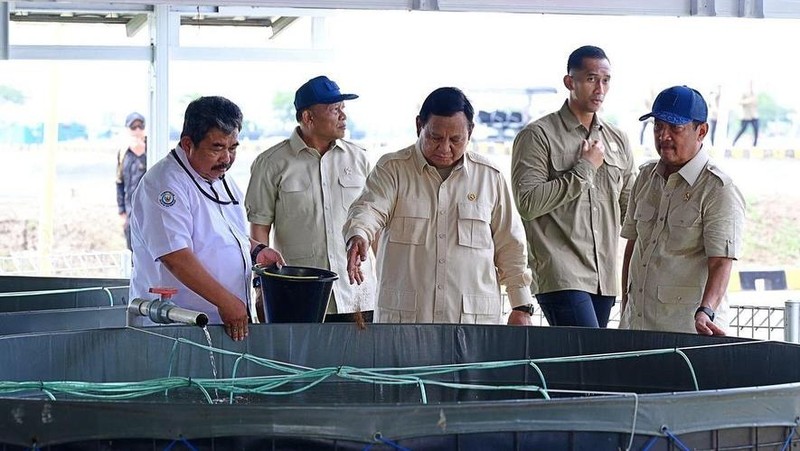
(295, 294)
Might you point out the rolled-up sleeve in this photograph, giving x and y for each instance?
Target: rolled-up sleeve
(723, 223)
(262, 192)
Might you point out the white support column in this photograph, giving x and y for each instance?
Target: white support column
(163, 36)
(4, 23)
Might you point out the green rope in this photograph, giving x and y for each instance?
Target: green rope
(290, 379)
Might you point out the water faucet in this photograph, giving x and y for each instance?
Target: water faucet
(162, 310)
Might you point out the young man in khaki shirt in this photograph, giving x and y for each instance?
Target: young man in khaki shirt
(571, 174)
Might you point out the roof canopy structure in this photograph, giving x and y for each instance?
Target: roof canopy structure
(164, 18)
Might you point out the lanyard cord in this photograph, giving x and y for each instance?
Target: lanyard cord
(214, 198)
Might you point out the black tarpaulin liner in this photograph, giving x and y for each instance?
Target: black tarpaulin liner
(742, 384)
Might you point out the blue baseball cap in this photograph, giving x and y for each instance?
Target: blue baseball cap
(319, 90)
(679, 105)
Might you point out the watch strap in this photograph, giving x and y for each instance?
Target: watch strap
(527, 308)
(703, 309)
(254, 253)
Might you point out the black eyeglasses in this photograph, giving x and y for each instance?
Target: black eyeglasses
(137, 126)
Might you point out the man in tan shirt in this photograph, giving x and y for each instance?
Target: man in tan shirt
(684, 227)
(303, 187)
(449, 237)
(571, 174)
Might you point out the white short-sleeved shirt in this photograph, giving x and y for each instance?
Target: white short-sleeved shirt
(174, 209)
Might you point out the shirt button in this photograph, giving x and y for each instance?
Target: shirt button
(441, 212)
(441, 260)
(438, 287)
(441, 235)
(661, 219)
(640, 290)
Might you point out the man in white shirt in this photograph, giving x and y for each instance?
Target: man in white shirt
(188, 229)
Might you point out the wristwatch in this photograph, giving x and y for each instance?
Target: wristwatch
(527, 308)
(707, 311)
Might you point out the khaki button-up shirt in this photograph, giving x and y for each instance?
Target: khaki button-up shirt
(445, 246)
(572, 213)
(677, 223)
(306, 197)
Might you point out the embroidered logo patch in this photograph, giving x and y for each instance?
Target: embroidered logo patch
(166, 199)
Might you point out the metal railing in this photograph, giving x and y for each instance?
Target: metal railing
(749, 321)
(89, 264)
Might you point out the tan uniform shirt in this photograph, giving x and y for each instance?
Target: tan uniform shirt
(677, 223)
(305, 197)
(447, 246)
(572, 213)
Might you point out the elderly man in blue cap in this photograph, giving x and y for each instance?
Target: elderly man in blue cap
(684, 226)
(300, 189)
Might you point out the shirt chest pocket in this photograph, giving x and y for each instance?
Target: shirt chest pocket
(686, 229)
(563, 161)
(351, 186)
(295, 196)
(474, 229)
(608, 181)
(409, 223)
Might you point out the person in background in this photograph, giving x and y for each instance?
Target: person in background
(300, 189)
(713, 112)
(131, 166)
(684, 226)
(571, 174)
(448, 235)
(188, 228)
(749, 105)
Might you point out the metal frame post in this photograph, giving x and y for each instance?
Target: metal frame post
(791, 321)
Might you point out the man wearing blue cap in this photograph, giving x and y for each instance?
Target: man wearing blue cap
(684, 226)
(301, 188)
(131, 165)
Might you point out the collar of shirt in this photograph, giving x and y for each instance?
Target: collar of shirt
(420, 162)
(692, 169)
(571, 122)
(185, 160)
(297, 144)
(196, 175)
